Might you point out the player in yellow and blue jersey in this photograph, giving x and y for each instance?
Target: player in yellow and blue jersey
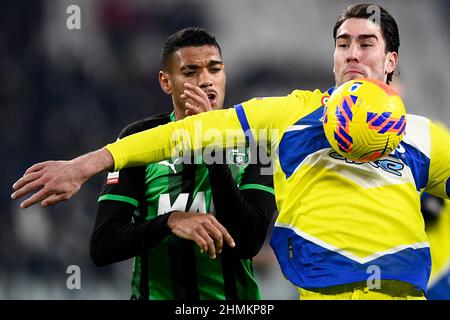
(340, 223)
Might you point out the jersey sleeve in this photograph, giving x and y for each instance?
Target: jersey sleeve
(258, 174)
(272, 113)
(439, 174)
(214, 129)
(246, 210)
(125, 186)
(115, 237)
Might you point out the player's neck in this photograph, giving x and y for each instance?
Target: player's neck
(179, 114)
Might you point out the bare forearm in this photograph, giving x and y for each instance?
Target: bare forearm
(94, 162)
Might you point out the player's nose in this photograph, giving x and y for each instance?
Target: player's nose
(353, 53)
(205, 79)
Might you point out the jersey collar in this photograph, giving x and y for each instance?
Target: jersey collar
(330, 91)
(172, 117)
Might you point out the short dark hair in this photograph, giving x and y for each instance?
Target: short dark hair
(388, 25)
(187, 37)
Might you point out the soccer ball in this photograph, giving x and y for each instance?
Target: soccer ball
(364, 120)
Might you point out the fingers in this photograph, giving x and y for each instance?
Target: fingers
(200, 102)
(199, 91)
(210, 247)
(26, 179)
(55, 199)
(191, 109)
(201, 99)
(36, 167)
(229, 239)
(35, 198)
(224, 234)
(196, 99)
(216, 235)
(204, 229)
(26, 185)
(208, 238)
(188, 112)
(218, 232)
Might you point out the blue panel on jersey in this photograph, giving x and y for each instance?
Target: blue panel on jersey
(312, 266)
(441, 289)
(416, 161)
(296, 145)
(244, 123)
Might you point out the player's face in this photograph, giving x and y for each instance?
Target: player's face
(199, 66)
(360, 52)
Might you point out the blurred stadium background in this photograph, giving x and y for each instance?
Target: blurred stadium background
(65, 92)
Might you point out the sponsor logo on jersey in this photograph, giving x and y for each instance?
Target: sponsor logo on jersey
(181, 203)
(239, 156)
(387, 165)
(112, 178)
(170, 165)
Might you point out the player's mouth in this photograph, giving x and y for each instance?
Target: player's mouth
(354, 72)
(212, 96)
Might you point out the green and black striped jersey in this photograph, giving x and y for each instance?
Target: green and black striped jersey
(174, 268)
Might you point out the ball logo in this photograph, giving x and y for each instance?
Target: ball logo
(383, 123)
(355, 86)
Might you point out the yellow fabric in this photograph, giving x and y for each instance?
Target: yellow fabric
(439, 238)
(440, 160)
(389, 290)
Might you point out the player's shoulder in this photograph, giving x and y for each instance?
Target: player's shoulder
(145, 124)
(294, 98)
(418, 133)
(311, 99)
(416, 119)
(305, 94)
(418, 126)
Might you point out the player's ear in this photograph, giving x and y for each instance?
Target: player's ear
(165, 83)
(391, 62)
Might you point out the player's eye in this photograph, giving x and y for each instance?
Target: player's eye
(189, 73)
(366, 45)
(343, 45)
(215, 69)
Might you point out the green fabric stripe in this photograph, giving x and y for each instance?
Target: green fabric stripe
(116, 197)
(159, 279)
(172, 116)
(257, 186)
(136, 279)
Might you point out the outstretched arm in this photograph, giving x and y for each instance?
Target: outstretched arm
(57, 181)
(60, 180)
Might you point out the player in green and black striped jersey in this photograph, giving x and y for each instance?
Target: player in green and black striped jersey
(161, 213)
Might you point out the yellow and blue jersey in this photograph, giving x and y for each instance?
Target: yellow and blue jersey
(337, 218)
(439, 237)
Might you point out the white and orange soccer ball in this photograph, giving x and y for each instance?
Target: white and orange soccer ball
(364, 120)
